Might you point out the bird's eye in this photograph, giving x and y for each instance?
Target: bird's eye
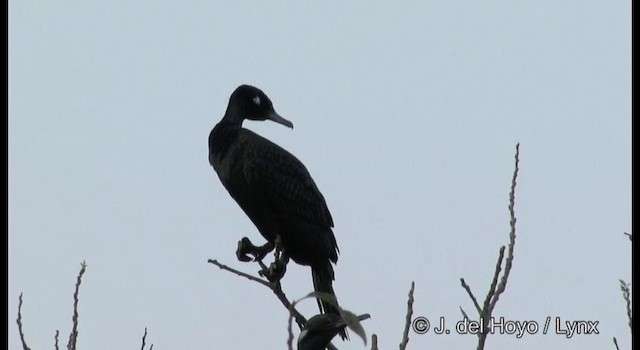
(256, 100)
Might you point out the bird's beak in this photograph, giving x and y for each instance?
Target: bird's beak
(364, 317)
(278, 119)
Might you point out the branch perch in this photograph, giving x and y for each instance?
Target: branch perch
(19, 321)
(407, 323)
(497, 288)
(276, 288)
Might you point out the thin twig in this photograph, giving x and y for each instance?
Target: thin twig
(290, 331)
(276, 288)
(240, 273)
(494, 282)
(300, 320)
(512, 234)
(407, 322)
(487, 308)
(464, 314)
(473, 297)
(374, 342)
(56, 338)
(144, 338)
(615, 341)
(19, 321)
(626, 295)
(496, 289)
(73, 337)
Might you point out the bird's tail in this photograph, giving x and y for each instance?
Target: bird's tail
(322, 282)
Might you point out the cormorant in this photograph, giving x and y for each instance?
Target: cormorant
(320, 329)
(274, 189)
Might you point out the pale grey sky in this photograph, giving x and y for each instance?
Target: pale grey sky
(406, 115)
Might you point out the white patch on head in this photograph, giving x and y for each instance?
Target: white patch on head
(256, 100)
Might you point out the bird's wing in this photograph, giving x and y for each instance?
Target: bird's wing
(284, 182)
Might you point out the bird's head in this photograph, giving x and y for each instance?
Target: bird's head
(320, 329)
(249, 102)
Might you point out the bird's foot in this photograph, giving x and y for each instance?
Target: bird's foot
(246, 248)
(275, 271)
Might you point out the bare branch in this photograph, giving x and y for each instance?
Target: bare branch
(615, 342)
(144, 338)
(496, 289)
(56, 338)
(490, 300)
(73, 337)
(464, 314)
(19, 321)
(300, 320)
(407, 323)
(290, 331)
(374, 342)
(473, 297)
(487, 308)
(626, 295)
(276, 288)
(239, 273)
(512, 234)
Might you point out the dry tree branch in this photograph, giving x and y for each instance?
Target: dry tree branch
(512, 234)
(489, 301)
(496, 289)
(492, 289)
(239, 273)
(19, 321)
(144, 338)
(473, 297)
(276, 288)
(464, 314)
(407, 323)
(626, 295)
(290, 332)
(73, 337)
(615, 342)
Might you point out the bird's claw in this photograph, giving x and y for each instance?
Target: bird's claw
(246, 248)
(243, 248)
(275, 271)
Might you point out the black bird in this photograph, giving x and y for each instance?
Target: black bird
(274, 189)
(320, 329)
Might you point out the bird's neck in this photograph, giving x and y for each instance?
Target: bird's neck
(230, 125)
(221, 137)
(233, 116)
